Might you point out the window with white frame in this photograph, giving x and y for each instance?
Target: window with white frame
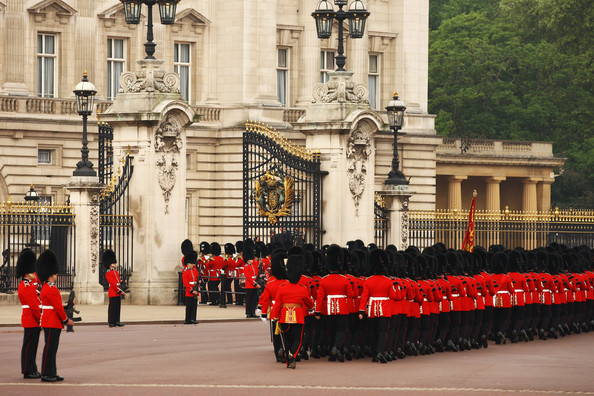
(116, 64)
(46, 65)
(44, 156)
(181, 65)
(374, 80)
(282, 75)
(326, 65)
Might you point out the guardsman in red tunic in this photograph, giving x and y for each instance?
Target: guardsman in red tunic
(456, 302)
(230, 271)
(239, 281)
(278, 277)
(518, 297)
(31, 314)
(503, 289)
(291, 303)
(213, 268)
(53, 317)
(334, 290)
(203, 266)
(376, 302)
(186, 247)
(114, 292)
(190, 280)
(250, 272)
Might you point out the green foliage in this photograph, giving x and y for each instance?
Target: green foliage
(518, 69)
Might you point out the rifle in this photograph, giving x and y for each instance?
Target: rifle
(70, 311)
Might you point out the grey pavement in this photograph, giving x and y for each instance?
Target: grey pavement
(10, 315)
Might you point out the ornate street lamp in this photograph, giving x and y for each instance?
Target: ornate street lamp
(395, 111)
(85, 97)
(325, 16)
(32, 197)
(166, 10)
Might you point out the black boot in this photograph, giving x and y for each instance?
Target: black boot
(450, 346)
(484, 342)
(553, 333)
(524, 336)
(542, 335)
(400, 353)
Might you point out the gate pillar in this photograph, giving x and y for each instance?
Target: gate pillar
(340, 124)
(397, 199)
(84, 197)
(150, 116)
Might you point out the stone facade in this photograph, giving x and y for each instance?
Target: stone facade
(233, 48)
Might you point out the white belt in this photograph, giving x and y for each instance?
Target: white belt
(547, 290)
(371, 300)
(378, 298)
(502, 292)
(192, 283)
(519, 290)
(47, 307)
(425, 299)
(455, 295)
(25, 306)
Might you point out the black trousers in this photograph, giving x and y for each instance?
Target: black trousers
(213, 291)
(29, 350)
(251, 303)
(239, 292)
(337, 326)
(113, 311)
(292, 335)
(443, 326)
(191, 308)
(227, 289)
(501, 319)
(50, 350)
(378, 329)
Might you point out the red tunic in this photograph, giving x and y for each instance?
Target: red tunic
(446, 290)
(548, 288)
(313, 290)
(250, 271)
(268, 296)
(53, 314)
(559, 291)
(458, 291)
(292, 301)
(520, 288)
(378, 290)
(30, 302)
(189, 279)
(113, 278)
(468, 298)
(333, 292)
(503, 289)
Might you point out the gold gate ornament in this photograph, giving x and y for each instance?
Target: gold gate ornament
(274, 196)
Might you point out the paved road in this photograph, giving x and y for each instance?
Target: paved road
(235, 358)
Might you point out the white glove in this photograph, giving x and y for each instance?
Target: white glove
(263, 319)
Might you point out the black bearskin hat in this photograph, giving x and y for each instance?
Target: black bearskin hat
(191, 257)
(295, 250)
(47, 265)
(108, 258)
(264, 251)
(215, 249)
(229, 248)
(277, 264)
(453, 262)
(379, 262)
(499, 263)
(186, 247)
(295, 264)
(204, 247)
(248, 253)
(514, 260)
(25, 263)
(239, 246)
(335, 258)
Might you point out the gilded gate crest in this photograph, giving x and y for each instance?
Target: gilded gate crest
(274, 195)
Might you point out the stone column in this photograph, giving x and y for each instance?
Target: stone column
(15, 52)
(529, 200)
(493, 197)
(544, 195)
(150, 116)
(455, 192)
(84, 197)
(397, 199)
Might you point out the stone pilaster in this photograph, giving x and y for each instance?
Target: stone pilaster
(397, 200)
(84, 197)
(529, 200)
(493, 198)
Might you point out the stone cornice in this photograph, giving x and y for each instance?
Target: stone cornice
(63, 9)
(467, 160)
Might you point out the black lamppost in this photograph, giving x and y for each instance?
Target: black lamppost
(325, 15)
(395, 111)
(32, 197)
(85, 97)
(166, 10)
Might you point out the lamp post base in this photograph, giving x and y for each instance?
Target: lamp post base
(396, 178)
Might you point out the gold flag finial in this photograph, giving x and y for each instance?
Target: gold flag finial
(474, 193)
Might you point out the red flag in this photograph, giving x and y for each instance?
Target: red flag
(468, 243)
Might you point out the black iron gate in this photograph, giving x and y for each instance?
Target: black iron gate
(115, 220)
(282, 189)
(381, 224)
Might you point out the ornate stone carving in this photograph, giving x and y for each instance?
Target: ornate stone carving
(168, 144)
(94, 234)
(404, 222)
(150, 78)
(341, 89)
(358, 151)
